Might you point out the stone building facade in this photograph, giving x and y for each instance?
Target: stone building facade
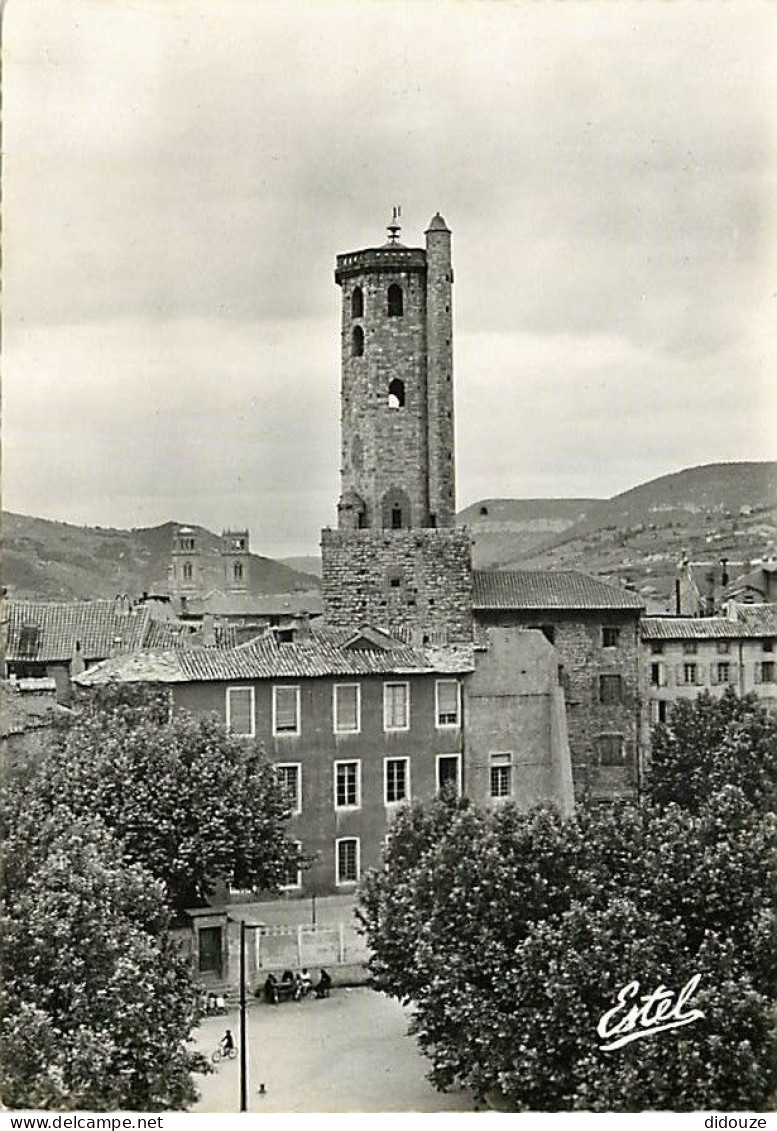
(416, 581)
(594, 628)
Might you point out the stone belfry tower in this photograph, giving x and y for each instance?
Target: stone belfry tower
(397, 559)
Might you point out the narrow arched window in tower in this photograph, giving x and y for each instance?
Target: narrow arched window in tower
(396, 394)
(238, 571)
(357, 344)
(357, 303)
(188, 572)
(395, 306)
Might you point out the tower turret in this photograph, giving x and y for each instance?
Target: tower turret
(236, 560)
(186, 572)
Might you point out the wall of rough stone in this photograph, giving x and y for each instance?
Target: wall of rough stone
(401, 579)
(439, 336)
(385, 448)
(579, 643)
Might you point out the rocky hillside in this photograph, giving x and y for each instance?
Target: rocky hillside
(502, 528)
(724, 511)
(47, 560)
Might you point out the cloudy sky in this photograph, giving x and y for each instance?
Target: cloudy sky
(179, 176)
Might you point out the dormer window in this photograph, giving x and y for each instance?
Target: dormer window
(395, 301)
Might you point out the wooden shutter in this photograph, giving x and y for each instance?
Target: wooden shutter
(286, 708)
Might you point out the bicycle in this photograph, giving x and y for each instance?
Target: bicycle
(220, 1053)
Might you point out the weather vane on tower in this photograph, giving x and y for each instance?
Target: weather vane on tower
(394, 228)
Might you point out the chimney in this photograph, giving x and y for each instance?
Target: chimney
(208, 631)
(301, 626)
(77, 665)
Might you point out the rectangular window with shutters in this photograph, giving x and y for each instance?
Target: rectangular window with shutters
(610, 689)
(690, 673)
(347, 851)
(723, 672)
(447, 702)
(396, 780)
(610, 636)
(767, 671)
(285, 710)
(240, 711)
(347, 708)
(347, 785)
(396, 706)
(611, 749)
(289, 778)
(500, 774)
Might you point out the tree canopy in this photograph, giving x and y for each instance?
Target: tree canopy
(97, 1001)
(711, 742)
(187, 801)
(513, 932)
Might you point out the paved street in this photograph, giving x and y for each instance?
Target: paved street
(347, 1053)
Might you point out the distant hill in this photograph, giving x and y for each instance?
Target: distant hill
(303, 564)
(504, 527)
(718, 511)
(47, 560)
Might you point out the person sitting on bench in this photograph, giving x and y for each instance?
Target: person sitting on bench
(324, 984)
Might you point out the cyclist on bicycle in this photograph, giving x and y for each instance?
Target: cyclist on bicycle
(227, 1043)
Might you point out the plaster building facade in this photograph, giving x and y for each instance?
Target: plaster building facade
(356, 724)
(683, 656)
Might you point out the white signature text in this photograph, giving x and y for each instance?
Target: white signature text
(651, 1013)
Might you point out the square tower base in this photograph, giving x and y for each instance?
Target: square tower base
(416, 583)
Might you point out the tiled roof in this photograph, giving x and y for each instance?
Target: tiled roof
(549, 589)
(48, 632)
(163, 635)
(254, 604)
(754, 621)
(266, 659)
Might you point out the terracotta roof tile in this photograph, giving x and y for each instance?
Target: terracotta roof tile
(751, 622)
(45, 631)
(265, 659)
(547, 589)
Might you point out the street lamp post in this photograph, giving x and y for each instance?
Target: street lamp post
(243, 1050)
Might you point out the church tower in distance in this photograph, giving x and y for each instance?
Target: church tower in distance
(397, 559)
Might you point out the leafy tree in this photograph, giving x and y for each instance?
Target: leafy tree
(711, 742)
(97, 1001)
(512, 933)
(187, 801)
